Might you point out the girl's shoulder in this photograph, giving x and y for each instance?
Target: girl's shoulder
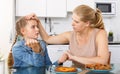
(19, 43)
(42, 43)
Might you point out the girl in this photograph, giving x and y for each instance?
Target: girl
(34, 54)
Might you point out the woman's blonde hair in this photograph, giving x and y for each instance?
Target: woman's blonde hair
(86, 13)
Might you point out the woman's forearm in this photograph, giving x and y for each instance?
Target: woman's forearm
(43, 33)
(90, 60)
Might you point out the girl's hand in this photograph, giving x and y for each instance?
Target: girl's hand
(34, 45)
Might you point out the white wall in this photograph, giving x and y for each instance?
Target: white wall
(6, 22)
(113, 23)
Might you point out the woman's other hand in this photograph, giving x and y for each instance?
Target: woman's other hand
(70, 56)
(63, 58)
(34, 45)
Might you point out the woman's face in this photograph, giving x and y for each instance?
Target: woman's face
(77, 24)
(31, 30)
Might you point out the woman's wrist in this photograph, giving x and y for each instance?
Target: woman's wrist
(73, 58)
(60, 62)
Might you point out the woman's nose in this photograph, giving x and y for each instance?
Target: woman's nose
(73, 23)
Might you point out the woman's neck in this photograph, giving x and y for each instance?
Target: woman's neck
(84, 33)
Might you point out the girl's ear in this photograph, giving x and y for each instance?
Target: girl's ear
(22, 31)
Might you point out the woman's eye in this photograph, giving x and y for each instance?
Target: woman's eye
(76, 21)
(33, 26)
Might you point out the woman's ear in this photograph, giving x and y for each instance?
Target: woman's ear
(88, 23)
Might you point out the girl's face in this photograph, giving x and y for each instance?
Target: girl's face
(77, 24)
(31, 30)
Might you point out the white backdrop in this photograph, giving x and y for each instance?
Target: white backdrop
(6, 22)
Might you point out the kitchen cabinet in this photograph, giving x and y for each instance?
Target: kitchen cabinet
(24, 7)
(56, 8)
(71, 4)
(55, 51)
(42, 8)
(115, 53)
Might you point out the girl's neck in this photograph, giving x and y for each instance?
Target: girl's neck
(26, 38)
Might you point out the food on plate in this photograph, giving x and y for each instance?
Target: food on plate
(98, 66)
(65, 69)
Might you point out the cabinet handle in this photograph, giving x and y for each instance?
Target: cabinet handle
(59, 50)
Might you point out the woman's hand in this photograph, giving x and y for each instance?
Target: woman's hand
(63, 58)
(34, 45)
(70, 56)
(31, 16)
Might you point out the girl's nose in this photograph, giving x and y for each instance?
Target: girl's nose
(36, 28)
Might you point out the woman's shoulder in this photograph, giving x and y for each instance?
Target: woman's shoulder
(66, 33)
(101, 31)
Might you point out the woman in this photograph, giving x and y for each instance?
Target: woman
(88, 40)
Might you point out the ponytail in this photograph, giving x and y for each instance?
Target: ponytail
(10, 56)
(99, 20)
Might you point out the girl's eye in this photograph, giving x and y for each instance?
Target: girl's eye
(35, 26)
